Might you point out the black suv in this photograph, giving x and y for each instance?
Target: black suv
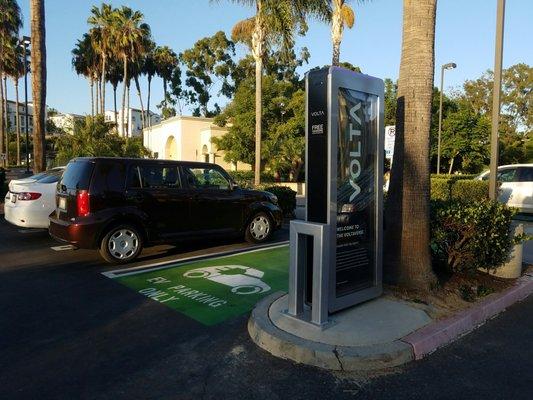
(119, 205)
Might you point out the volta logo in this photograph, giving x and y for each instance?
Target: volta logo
(318, 113)
(241, 279)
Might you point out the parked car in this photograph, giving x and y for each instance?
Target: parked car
(516, 188)
(120, 205)
(29, 201)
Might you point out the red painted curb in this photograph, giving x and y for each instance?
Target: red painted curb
(429, 338)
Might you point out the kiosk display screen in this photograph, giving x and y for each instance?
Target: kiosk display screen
(356, 197)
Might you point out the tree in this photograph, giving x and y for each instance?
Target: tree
(15, 69)
(209, 60)
(84, 63)
(10, 23)
(341, 15)
(391, 94)
(274, 23)
(407, 255)
(38, 80)
(166, 61)
(115, 76)
(131, 38)
(149, 69)
(101, 33)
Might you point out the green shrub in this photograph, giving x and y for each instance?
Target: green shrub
(286, 198)
(466, 190)
(465, 237)
(455, 176)
(245, 179)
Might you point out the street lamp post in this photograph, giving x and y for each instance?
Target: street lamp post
(25, 43)
(445, 66)
(498, 53)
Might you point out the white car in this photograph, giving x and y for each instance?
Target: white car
(30, 201)
(241, 279)
(516, 188)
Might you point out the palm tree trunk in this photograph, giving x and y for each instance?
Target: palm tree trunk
(407, 235)
(17, 122)
(102, 100)
(128, 110)
(98, 97)
(336, 33)
(91, 85)
(258, 119)
(124, 95)
(6, 142)
(451, 166)
(115, 106)
(38, 77)
(136, 78)
(148, 102)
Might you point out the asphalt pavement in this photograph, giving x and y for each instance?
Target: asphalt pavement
(68, 332)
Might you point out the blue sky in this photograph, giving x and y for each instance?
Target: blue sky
(465, 35)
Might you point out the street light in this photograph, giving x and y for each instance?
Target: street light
(445, 66)
(498, 53)
(25, 42)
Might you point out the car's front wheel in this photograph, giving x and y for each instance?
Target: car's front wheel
(122, 244)
(259, 229)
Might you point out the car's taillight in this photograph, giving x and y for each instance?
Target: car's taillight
(28, 196)
(84, 207)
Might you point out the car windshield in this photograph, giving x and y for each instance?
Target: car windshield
(52, 177)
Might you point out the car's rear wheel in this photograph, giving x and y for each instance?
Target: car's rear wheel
(259, 229)
(122, 244)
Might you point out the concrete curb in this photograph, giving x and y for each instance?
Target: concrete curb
(284, 345)
(429, 338)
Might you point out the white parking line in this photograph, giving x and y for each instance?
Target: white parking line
(170, 264)
(63, 248)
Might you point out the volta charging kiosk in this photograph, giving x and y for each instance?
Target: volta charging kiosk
(336, 253)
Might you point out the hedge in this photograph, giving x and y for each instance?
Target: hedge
(466, 237)
(455, 176)
(245, 179)
(286, 198)
(459, 189)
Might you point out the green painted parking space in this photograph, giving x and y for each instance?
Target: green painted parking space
(215, 289)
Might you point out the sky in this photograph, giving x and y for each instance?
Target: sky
(465, 33)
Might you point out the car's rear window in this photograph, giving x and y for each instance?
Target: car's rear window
(51, 178)
(77, 175)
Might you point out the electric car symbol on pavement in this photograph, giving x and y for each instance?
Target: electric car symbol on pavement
(241, 279)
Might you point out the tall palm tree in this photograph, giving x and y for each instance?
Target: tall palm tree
(149, 69)
(101, 20)
(165, 60)
(407, 256)
(10, 23)
(15, 70)
(342, 15)
(84, 63)
(130, 38)
(115, 76)
(38, 82)
(274, 24)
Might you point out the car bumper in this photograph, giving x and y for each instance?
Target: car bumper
(77, 233)
(24, 216)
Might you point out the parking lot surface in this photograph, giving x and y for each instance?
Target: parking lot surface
(67, 331)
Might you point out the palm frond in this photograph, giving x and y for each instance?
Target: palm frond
(242, 31)
(348, 15)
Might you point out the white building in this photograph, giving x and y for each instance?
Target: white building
(188, 139)
(64, 122)
(132, 119)
(12, 116)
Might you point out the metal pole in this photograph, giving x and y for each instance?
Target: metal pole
(498, 55)
(26, 106)
(440, 117)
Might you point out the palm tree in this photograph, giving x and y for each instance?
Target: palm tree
(38, 82)
(15, 70)
(130, 37)
(407, 257)
(273, 24)
(101, 20)
(114, 76)
(84, 62)
(149, 69)
(10, 23)
(165, 60)
(342, 15)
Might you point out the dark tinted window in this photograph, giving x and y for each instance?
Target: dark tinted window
(51, 178)
(205, 178)
(507, 175)
(77, 175)
(154, 177)
(109, 176)
(525, 174)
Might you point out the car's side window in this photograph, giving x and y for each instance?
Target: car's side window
(154, 177)
(525, 174)
(205, 178)
(507, 175)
